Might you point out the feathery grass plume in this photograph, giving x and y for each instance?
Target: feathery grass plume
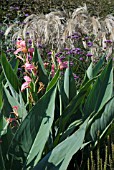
(96, 25)
(53, 28)
(17, 35)
(8, 30)
(77, 21)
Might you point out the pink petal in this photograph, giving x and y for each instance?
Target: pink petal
(17, 51)
(31, 50)
(24, 86)
(20, 58)
(27, 79)
(15, 107)
(29, 66)
(22, 44)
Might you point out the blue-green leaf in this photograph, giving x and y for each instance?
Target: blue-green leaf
(33, 133)
(60, 156)
(9, 73)
(101, 91)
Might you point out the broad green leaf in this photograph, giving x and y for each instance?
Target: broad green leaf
(43, 133)
(69, 85)
(53, 81)
(14, 63)
(6, 109)
(101, 91)
(17, 101)
(1, 96)
(103, 121)
(98, 66)
(2, 77)
(60, 157)
(2, 162)
(93, 71)
(90, 71)
(9, 73)
(75, 103)
(42, 73)
(32, 135)
(70, 129)
(3, 125)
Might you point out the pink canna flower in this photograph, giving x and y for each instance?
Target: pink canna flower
(27, 79)
(31, 50)
(10, 120)
(52, 70)
(15, 110)
(62, 65)
(29, 66)
(24, 86)
(17, 51)
(18, 43)
(21, 46)
(15, 107)
(21, 58)
(26, 83)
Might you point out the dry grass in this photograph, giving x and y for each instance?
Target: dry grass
(53, 28)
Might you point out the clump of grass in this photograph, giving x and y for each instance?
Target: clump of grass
(54, 29)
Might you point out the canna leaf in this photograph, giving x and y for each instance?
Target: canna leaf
(69, 85)
(101, 91)
(98, 66)
(9, 73)
(75, 103)
(32, 135)
(3, 125)
(41, 70)
(103, 121)
(60, 156)
(17, 101)
(1, 97)
(53, 81)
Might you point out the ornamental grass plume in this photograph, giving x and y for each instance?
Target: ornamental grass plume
(53, 29)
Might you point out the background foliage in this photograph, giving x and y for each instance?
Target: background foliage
(99, 7)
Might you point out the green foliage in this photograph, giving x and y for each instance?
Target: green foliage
(10, 75)
(62, 124)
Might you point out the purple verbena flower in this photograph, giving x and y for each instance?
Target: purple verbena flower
(49, 53)
(75, 36)
(75, 76)
(90, 44)
(27, 33)
(68, 36)
(81, 59)
(26, 15)
(108, 41)
(66, 49)
(89, 55)
(19, 38)
(71, 63)
(40, 46)
(86, 38)
(30, 41)
(62, 57)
